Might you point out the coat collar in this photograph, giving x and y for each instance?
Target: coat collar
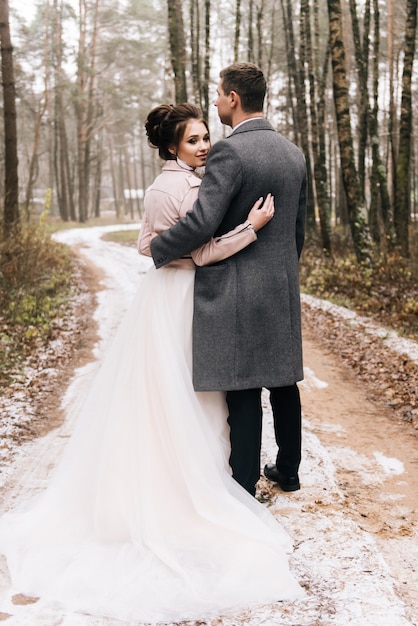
(253, 124)
(173, 166)
(193, 176)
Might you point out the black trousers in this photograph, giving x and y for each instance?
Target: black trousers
(245, 421)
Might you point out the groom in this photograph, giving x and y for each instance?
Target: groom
(247, 323)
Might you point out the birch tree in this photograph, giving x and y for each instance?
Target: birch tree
(378, 180)
(317, 109)
(361, 52)
(355, 202)
(298, 77)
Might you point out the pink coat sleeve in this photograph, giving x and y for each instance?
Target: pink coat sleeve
(227, 245)
(219, 248)
(144, 238)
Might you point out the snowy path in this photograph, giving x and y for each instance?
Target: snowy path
(348, 569)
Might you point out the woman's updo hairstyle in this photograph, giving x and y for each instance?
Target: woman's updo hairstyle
(166, 124)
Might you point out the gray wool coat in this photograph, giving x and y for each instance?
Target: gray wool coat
(247, 320)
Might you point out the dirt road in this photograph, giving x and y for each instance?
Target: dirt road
(354, 521)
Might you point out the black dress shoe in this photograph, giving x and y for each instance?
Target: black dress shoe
(286, 483)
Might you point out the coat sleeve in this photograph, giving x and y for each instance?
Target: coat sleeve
(144, 238)
(220, 184)
(221, 248)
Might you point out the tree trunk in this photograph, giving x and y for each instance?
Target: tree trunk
(361, 52)
(297, 89)
(38, 122)
(68, 174)
(379, 187)
(115, 187)
(269, 64)
(317, 107)
(250, 38)
(237, 31)
(11, 181)
(136, 178)
(195, 50)
(260, 37)
(60, 139)
(91, 109)
(302, 111)
(121, 181)
(293, 79)
(143, 175)
(98, 175)
(177, 48)
(403, 188)
(355, 204)
(85, 100)
(392, 130)
(127, 168)
(81, 112)
(206, 77)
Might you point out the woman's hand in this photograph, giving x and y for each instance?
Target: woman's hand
(261, 213)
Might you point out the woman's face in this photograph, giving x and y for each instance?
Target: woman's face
(194, 145)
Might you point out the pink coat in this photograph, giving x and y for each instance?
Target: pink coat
(170, 197)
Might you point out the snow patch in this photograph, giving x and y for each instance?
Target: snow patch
(311, 381)
(390, 465)
(391, 339)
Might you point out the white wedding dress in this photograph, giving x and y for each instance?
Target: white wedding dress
(142, 519)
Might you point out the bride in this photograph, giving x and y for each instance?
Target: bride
(142, 519)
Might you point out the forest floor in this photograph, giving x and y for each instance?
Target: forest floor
(355, 520)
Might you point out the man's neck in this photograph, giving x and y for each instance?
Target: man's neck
(244, 117)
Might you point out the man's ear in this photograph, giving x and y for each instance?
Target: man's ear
(234, 99)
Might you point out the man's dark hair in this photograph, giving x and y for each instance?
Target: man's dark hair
(248, 81)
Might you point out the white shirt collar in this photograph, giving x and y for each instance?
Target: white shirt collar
(250, 119)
